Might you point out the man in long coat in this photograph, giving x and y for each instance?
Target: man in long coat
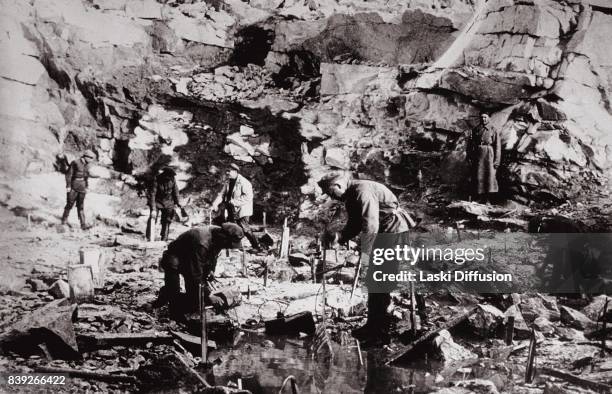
(484, 156)
(237, 197)
(372, 209)
(77, 182)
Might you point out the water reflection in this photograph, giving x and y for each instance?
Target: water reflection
(263, 369)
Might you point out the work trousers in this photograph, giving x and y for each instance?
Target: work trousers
(73, 197)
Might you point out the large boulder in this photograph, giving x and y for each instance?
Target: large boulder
(50, 326)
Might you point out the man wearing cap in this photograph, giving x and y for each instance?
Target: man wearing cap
(76, 187)
(484, 155)
(163, 196)
(194, 255)
(237, 198)
(372, 209)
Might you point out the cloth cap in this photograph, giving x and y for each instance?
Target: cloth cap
(235, 234)
(234, 166)
(89, 154)
(328, 180)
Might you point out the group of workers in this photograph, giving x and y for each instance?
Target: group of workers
(371, 208)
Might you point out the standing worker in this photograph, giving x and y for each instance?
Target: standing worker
(194, 255)
(163, 196)
(372, 209)
(76, 187)
(484, 156)
(237, 198)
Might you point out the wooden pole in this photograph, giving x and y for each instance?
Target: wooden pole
(577, 380)
(529, 371)
(244, 267)
(284, 244)
(313, 263)
(264, 221)
(203, 338)
(604, 322)
(265, 275)
(355, 280)
(458, 231)
(510, 330)
(210, 217)
(324, 294)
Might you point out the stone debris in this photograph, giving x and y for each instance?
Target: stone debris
(50, 326)
(595, 309)
(447, 350)
(575, 318)
(37, 285)
(59, 289)
(486, 321)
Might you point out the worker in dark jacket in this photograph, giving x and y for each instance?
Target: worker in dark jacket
(194, 255)
(163, 197)
(484, 156)
(372, 209)
(76, 187)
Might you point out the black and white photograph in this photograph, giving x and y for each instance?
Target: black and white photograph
(306, 196)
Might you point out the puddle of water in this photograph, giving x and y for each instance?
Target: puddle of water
(263, 369)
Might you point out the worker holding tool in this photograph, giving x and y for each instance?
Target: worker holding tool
(163, 197)
(194, 256)
(372, 209)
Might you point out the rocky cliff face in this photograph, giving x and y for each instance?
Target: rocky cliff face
(291, 89)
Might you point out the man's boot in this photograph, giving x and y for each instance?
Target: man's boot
(163, 298)
(253, 241)
(165, 230)
(65, 216)
(378, 325)
(83, 221)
